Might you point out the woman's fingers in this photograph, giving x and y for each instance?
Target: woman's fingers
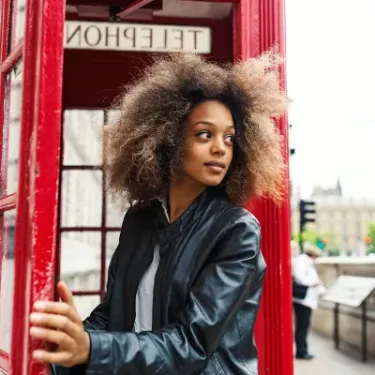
(56, 337)
(65, 294)
(61, 358)
(59, 308)
(60, 322)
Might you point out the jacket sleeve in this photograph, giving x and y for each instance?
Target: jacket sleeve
(230, 277)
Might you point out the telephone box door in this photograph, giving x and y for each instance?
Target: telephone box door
(31, 52)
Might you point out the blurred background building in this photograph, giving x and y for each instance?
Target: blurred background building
(342, 221)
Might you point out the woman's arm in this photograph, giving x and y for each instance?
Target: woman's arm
(232, 276)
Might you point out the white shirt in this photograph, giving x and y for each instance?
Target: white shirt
(145, 296)
(144, 299)
(305, 273)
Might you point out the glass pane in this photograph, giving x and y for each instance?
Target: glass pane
(85, 304)
(6, 277)
(20, 9)
(82, 198)
(80, 260)
(11, 131)
(82, 137)
(115, 211)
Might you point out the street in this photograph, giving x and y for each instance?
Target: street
(329, 361)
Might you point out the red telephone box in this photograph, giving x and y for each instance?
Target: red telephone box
(61, 66)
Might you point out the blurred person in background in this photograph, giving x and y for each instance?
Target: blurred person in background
(310, 287)
(295, 250)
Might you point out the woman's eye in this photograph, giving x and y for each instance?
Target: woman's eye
(229, 138)
(204, 135)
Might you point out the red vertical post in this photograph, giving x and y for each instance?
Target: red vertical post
(39, 173)
(258, 26)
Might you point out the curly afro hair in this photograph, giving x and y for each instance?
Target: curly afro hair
(143, 148)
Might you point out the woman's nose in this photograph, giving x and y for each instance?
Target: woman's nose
(218, 147)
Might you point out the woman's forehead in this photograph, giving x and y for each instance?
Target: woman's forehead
(211, 111)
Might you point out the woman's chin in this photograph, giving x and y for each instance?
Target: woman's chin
(212, 182)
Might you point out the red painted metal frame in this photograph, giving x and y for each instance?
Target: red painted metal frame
(134, 6)
(259, 25)
(4, 361)
(13, 23)
(39, 163)
(12, 58)
(4, 68)
(213, 1)
(7, 202)
(90, 229)
(118, 3)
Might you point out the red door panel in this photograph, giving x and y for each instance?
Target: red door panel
(31, 51)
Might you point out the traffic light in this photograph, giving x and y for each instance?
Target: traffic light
(367, 240)
(306, 211)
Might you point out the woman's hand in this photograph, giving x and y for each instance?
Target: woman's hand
(59, 323)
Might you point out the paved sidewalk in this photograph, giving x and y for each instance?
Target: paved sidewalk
(329, 361)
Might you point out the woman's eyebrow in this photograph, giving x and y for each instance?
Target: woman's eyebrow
(211, 124)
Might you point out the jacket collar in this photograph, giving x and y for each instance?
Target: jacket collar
(166, 231)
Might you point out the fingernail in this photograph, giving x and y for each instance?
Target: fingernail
(37, 354)
(36, 318)
(39, 305)
(35, 330)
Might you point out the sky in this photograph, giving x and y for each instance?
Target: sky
(331, 80)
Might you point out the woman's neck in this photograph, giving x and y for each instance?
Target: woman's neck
(181, 195)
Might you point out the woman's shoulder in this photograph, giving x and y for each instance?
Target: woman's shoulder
(237, 231)
(232, 213)
(235, 226)
(138, 213)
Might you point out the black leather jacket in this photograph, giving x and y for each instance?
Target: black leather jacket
(206, 297)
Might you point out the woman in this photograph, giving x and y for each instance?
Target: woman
(194, 141)
(305, 273)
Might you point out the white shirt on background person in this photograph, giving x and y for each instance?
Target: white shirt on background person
(305, 273)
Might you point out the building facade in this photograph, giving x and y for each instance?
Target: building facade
(343, 220)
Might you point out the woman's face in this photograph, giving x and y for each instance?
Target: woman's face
(208, 145)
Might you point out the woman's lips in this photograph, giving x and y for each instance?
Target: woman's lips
(217, 167)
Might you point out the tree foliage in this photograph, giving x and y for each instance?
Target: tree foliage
(324, 241)
(371, 235)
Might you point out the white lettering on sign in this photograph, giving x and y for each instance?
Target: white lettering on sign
(136, 37)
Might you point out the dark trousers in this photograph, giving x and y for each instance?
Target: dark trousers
(302, 325)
